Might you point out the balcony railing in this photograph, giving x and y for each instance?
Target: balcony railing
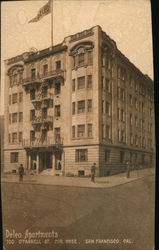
(40, 97)
(31, 80)
(47, 142)
(40, 120)
(47, 75)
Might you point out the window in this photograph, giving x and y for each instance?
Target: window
(122, 115)
(15, 78)
(136, 103)
(14, 137)
(81, 131)
(57, 111)
(130, 119)
(73, 108)
(32, 135)
(81, 82)
(9, 138)
(122, 94)
(131, 139)
(108, 108)
(131, 100)
(118, 114)
(107, 155)
(118, 92)
(20, 77)
(33, 73)
(89, 81)
(90, 57)
(81, 59)
(108, 136)
(103, 60)
(102, 83)
(136, 86)
(89, 105)
(32, 114)
(58, 64)
(136, 140)
(14, 98)
(122, 155)
(57, 88)
(103, 104)
(10, 118)
(20, 136)
(103, 131)
(20, 116)
(20, 96)
(44, 91)
(73, 61)
(81, 107)
(32, 94)
(107, 85)
(143, 107)
(45, 69)
(122, 136)
(73, 85)
(14, 157)
(44, 113)
(57, 135)
(107, 61)
(136, 122)
(73, 131)
(81, 155)
(44, 136)
(14, 117)
(10, 97)
(89, 130)
(130, 81)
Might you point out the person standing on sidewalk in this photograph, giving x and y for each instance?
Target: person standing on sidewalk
(21, 173)
(127, 169)
(93, 171)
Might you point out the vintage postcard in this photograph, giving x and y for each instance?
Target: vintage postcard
(77, 125)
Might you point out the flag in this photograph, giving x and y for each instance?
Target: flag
(46, 9)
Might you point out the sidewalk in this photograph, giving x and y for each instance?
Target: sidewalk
(100, 182)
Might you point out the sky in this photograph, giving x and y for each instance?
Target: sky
(128, 22)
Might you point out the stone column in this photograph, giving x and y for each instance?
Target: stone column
(29, 162)
(53, 161)
(37, 164)
(63, 163)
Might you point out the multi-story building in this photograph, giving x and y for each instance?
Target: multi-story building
(79, 102)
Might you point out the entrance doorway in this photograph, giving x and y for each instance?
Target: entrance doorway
(46, 160)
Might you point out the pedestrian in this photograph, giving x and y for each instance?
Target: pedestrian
(21, 173)
(93, 170)
(127, 169)
(59, 165)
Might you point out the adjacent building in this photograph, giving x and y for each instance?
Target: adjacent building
(1, 142)
(79, 102)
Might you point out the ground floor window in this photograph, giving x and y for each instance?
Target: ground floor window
(14, 157)
(81, 155)
(122, 155)
(107, 156)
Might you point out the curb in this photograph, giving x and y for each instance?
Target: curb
(59, 185)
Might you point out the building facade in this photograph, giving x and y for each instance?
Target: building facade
(79, 102)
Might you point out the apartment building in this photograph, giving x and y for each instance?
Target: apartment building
(79, 102)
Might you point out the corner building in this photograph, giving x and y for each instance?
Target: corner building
(79, 102)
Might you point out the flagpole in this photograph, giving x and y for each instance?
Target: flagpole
(51, 23)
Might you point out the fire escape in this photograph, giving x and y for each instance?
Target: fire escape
(43, 101)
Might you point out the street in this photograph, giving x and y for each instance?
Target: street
(82, 218)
